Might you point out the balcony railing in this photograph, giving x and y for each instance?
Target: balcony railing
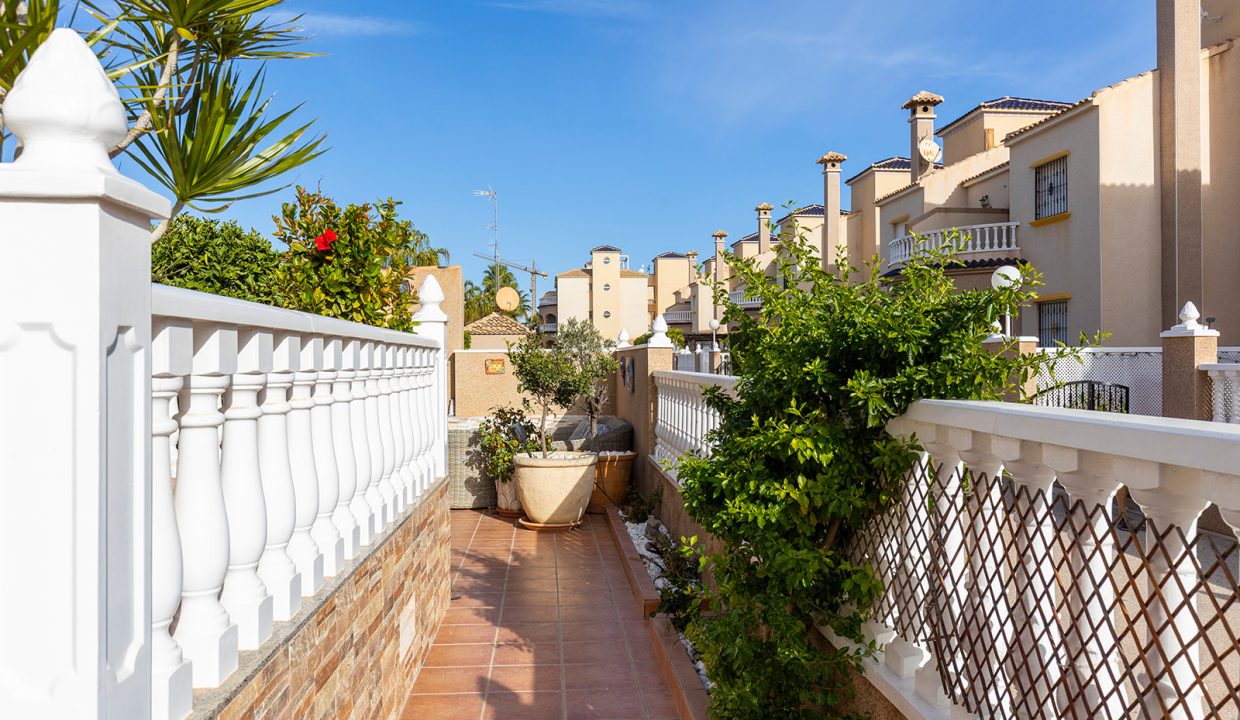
(678, 317)
(991, 237)
(1014, 587)
(746, 303)
(683, 418)
(549, 327)
(548, 299)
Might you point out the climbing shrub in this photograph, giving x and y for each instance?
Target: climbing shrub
(802, 460)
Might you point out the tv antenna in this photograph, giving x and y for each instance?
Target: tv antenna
(491, 195)
(532, 269)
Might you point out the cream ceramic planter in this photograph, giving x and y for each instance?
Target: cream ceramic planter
(554, 491)
(506, 501)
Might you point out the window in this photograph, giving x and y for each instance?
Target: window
(1051, 188)
(606, 313)
(1052, 323)
(606, 260)
(606, 287)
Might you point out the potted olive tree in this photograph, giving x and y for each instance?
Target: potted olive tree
(554, 487)
(591, 353)
(501, 436)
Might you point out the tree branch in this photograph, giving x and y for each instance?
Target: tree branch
(145, 120)
(162, 227)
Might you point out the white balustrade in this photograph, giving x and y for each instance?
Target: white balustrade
(1036, 603)
(744, 301)
(212, 548)
(1225, 379)
(678, 317)
(971, 239)
(397, 478)
(245, 597)
(683, 418)
(374, 437)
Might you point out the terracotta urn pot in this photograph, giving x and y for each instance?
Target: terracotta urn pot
(554, 490)
(611, 480)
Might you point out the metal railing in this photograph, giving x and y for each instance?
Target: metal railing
(1085, 395)
(990, 237)
(1137, 368)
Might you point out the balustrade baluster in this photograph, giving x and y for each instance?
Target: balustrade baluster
(342, 442)
(1034, 667)
(373, 494)
(171, 675)
(397, 478)
(245, 597)
(384, 409)
(275, 567)
(1233, 396)
(417, 462)
(361, 506)
(427, 408)
(302, 547)
(1092, 669)
(1219, 402)
(324, 530)
(983, 543)
(204, 631)
(902, 655)
(407, 421)
(1171, 498)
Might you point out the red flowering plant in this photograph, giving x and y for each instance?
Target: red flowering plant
(353, 266)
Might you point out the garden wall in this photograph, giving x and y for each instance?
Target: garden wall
(355, 648)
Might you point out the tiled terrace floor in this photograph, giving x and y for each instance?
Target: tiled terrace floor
(541, 625)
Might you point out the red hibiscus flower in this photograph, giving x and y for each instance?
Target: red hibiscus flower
(324, 241)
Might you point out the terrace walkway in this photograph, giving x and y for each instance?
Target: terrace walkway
(540, 626)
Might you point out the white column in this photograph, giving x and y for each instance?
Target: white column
(1035, 671)
(373, 437)
(306, 554)
(383, 403)
(172, 680)
(275, 567)
(362, 510)
(342, 441)
(1171, 498)
(393, 373)
(75, 436)
(206, 634)
(324, 531)
(1091, 639)
(245, 597)
(432, 324)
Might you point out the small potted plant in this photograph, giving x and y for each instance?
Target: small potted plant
(592, 356)
(504, 433)
(554, 487)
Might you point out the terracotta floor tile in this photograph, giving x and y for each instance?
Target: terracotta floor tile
(538, 653)
(524, 706)
(477, 599)
(604, 705)
(602, 612)
(585, 631)
(457, 655)
(659, 704)
(465, 634)
(571, 598)
(451, 680)
(443, 707)
(530, 599)
(594, 652)
(471, 616)
(547, 613)
(609, 676)
(529, 632)
(518, 678)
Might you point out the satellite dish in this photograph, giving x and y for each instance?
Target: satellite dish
(507, 299)
(929, 150)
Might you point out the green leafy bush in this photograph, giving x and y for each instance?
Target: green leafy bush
(802, 460)
(499, 443)
(676, 335)
(348, 263)
(216, 257)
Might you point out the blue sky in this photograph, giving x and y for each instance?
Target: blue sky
(649, 124)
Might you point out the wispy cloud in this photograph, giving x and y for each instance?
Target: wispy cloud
(350, 25)
(580, 8)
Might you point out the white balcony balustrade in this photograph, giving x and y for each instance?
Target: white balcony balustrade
(1225, 391)
(678, 317)
(682, 416)
(972, 239)
(550, 327)
(741, 299)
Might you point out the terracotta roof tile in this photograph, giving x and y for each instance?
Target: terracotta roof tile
(496, 324)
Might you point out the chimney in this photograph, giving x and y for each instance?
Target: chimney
(764, 227)
(830, 205)
(1180, 166)
(720, 270)
(921, 127)
(692, 265)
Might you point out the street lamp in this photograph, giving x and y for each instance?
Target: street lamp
(1003, 278)
(714, 327)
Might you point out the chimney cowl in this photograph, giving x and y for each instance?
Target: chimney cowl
(764, 207)
(719, 234)
(832, 160)
(924, 98)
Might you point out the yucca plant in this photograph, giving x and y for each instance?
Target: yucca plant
(190, 73)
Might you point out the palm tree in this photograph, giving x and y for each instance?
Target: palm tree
(419, 253)
(499, 276)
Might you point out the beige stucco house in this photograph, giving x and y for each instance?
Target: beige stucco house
(604, 292)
